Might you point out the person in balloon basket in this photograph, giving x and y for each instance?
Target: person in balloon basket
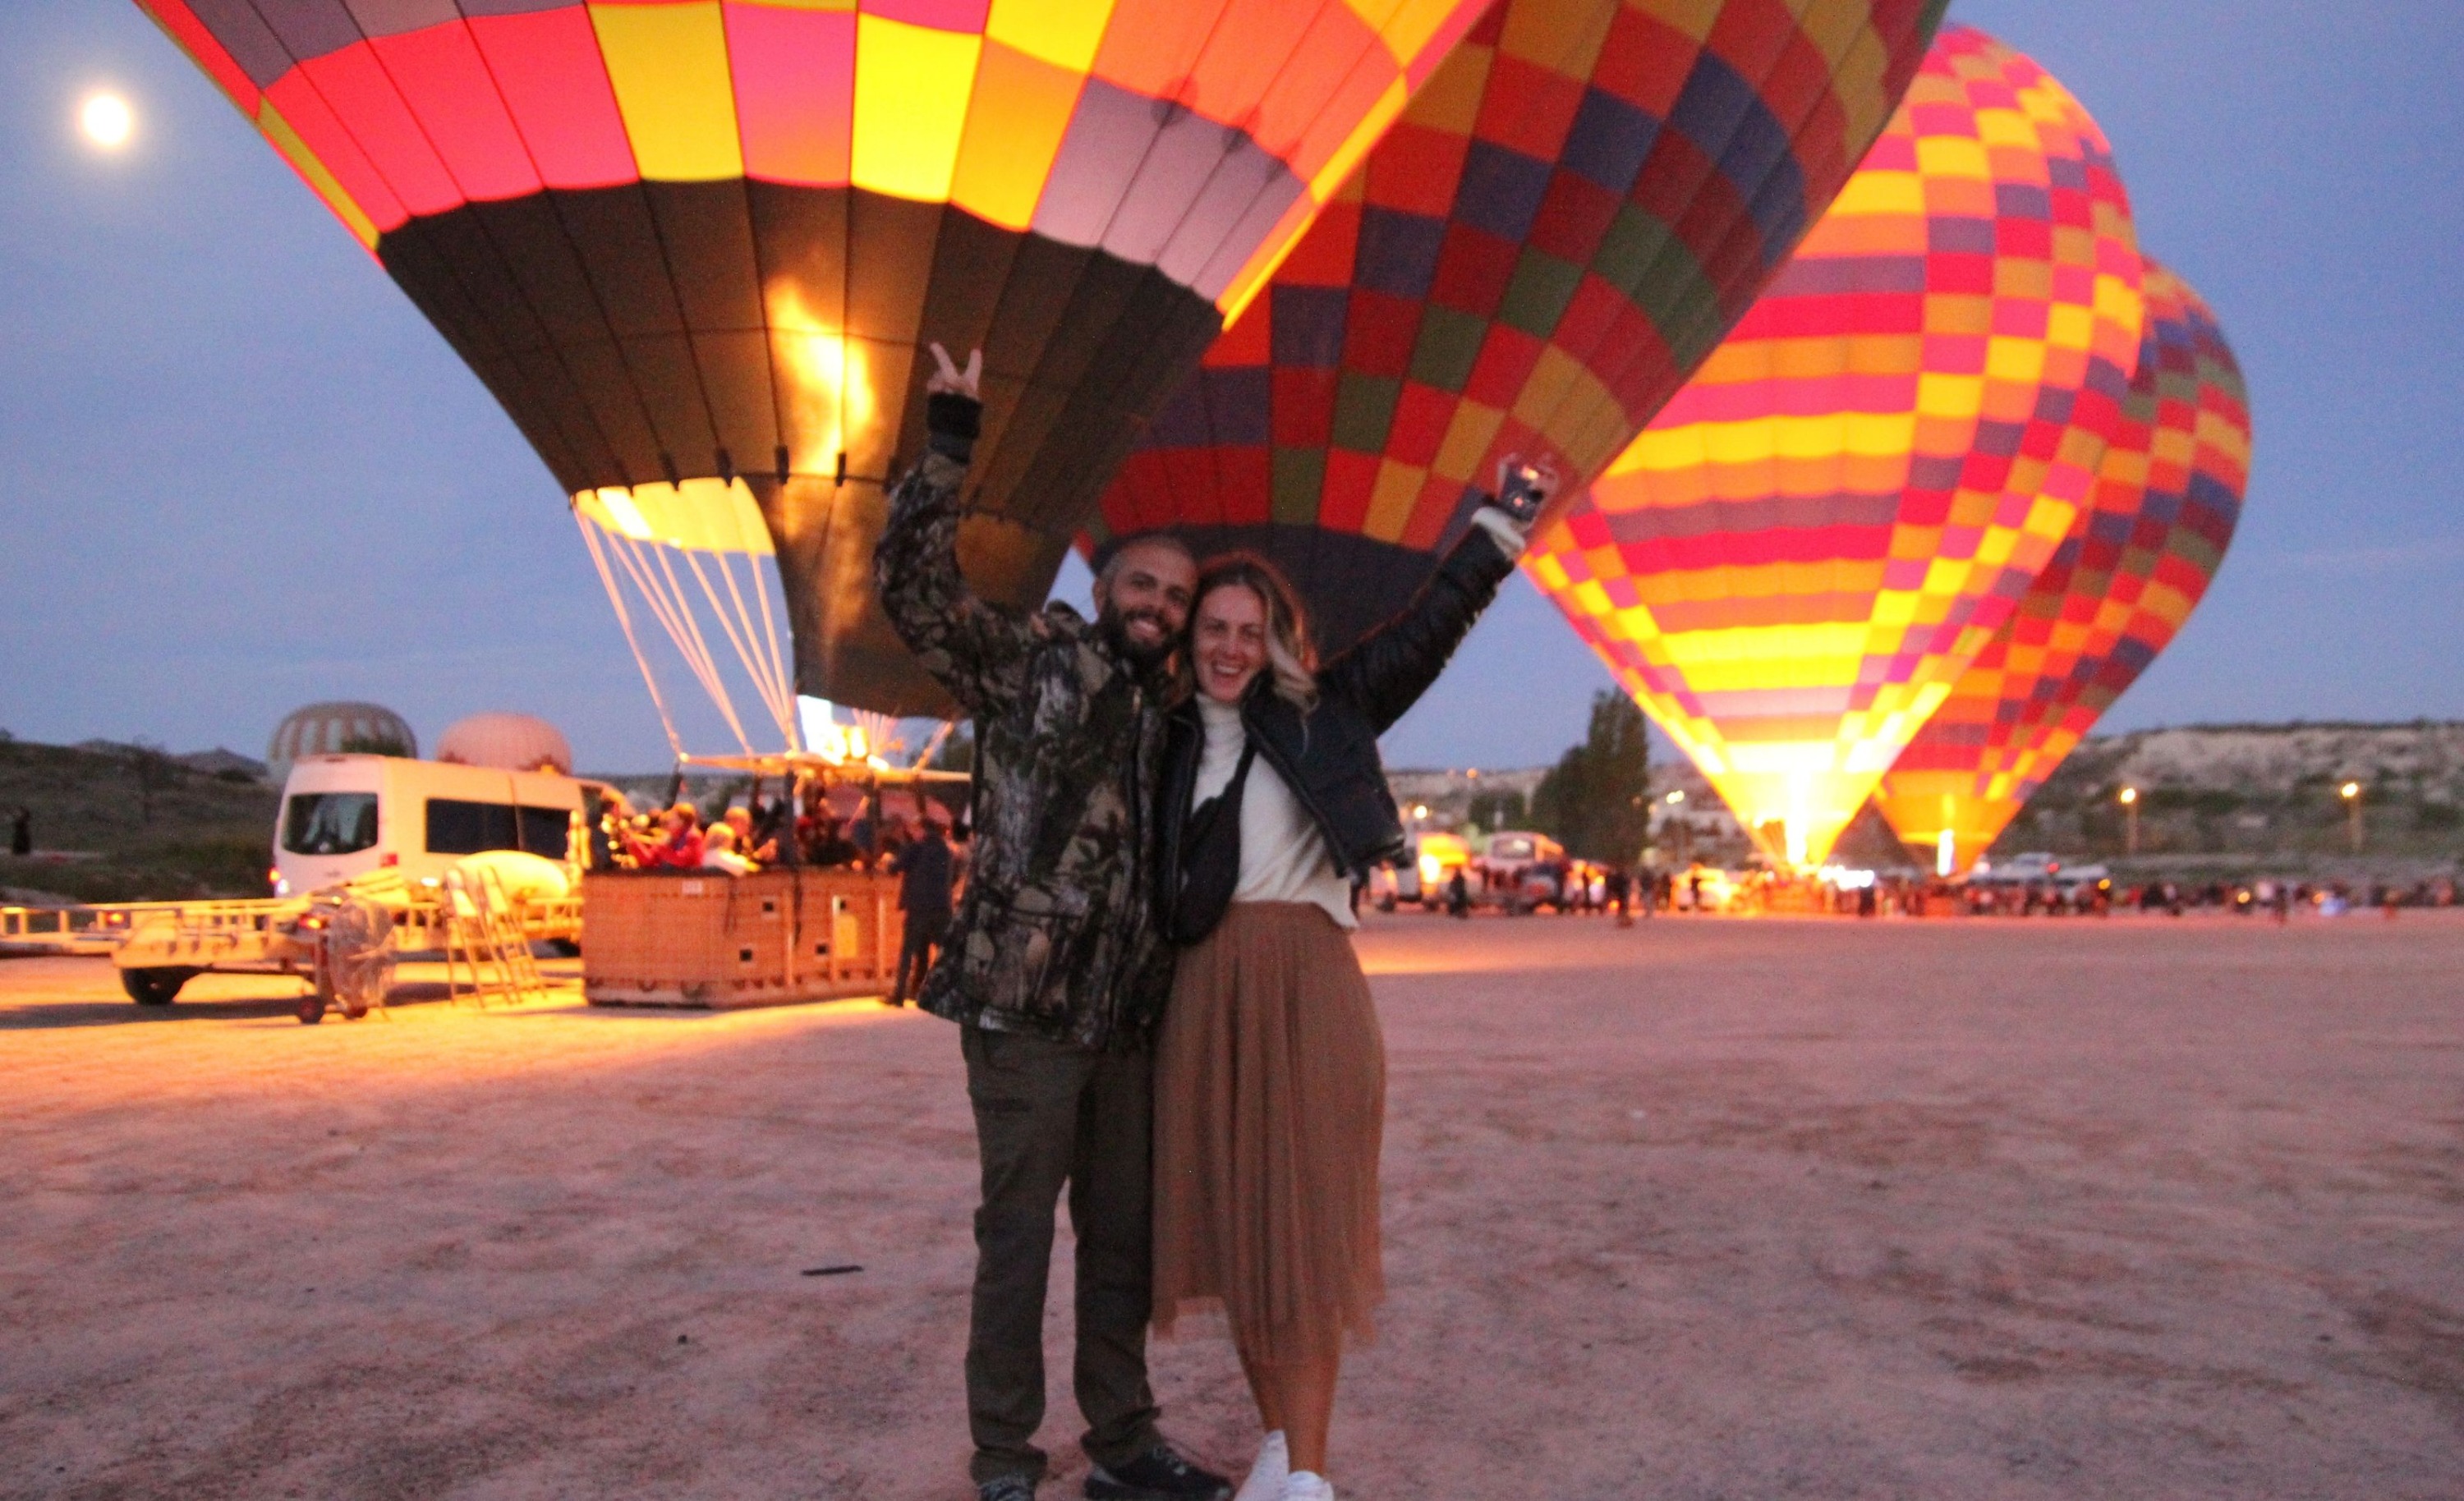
(1052, 968)
(1270, 1072)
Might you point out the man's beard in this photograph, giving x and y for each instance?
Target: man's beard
(1114, 624)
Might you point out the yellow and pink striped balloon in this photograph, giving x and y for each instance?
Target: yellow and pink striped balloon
(1797, 558)
(2137, 562)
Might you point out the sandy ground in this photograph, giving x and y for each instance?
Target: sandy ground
(1704, 1208)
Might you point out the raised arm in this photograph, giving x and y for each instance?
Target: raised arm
(1388, 670)
(977, 650)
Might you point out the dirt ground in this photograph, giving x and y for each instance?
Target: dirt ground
(1704, 1208)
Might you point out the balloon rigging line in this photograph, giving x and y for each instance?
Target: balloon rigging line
(624, 619)
(702, 646)
(760, 672)
(682, 639)
(779, 671)
(661, 607)
(677, 615)
(770, 630)
(764, 674)
(743, 649)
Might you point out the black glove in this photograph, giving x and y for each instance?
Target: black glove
(955, 422)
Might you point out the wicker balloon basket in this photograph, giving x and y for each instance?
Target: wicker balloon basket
(710, 940)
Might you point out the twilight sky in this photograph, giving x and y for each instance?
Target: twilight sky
(238, 471)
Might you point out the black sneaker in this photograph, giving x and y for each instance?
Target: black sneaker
(1156, 1476)
(1006, 1488)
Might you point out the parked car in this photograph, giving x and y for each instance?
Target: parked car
(1503, 875)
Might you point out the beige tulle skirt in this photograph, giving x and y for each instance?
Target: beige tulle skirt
(1269, 1109)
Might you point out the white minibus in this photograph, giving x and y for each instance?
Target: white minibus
(347, 816)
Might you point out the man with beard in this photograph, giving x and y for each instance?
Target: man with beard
(1051, 968)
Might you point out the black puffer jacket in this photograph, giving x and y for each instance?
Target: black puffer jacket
(1328, 757)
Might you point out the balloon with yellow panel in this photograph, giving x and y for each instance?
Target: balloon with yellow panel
(696, 247)
(1795, 561)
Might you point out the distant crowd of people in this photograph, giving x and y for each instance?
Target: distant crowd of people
(1894, 895)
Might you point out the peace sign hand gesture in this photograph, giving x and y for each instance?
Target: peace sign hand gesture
(951, 380)
(953, 412)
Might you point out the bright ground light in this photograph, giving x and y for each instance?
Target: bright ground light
(107, 120)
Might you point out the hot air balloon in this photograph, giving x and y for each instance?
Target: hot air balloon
(1559, 229)
(695, 248)
(1795, 561)
(2167, 496)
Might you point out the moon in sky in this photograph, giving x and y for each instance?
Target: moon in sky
(107, 120)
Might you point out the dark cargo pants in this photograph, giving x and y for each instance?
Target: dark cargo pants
(1048, 1114)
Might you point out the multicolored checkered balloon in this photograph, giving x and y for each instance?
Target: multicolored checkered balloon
(1797, 559)
(687, 241)
(2136, 563)
(1560, 228)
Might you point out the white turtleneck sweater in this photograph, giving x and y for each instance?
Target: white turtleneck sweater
(1283, 856)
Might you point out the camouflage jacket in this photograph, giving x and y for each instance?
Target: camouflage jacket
(1055, 932)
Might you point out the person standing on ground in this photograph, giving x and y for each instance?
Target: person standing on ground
(21, 833)
(1270, 1073)
(924, 871)
(1052, 969)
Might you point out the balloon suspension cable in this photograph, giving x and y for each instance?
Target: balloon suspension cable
(880, 731)
(933, 747)
(791, 725)
(769, 676)
(624, 619)
(745, 618)
(715, 684)
(675, 618)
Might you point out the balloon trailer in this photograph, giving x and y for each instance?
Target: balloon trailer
(342, 944)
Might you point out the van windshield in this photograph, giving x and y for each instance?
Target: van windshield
(329, 823)
(1511, 849)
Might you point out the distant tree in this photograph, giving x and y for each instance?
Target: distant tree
(1596, 799)
(153, 770)
(1502, 808)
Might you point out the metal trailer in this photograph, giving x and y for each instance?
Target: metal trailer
(159, 946)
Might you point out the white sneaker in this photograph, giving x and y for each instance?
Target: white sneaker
(1306, 1485)
(1265, 1482)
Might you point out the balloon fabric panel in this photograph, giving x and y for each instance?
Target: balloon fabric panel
(688, 239)
(1559, 229)
(2167, 497)
(1793, 564)
(1191, 134)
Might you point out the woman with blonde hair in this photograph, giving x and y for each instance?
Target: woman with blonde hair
(1270, 1072)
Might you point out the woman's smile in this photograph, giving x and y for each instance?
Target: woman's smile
(1229, 642)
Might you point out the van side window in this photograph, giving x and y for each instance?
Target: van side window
(456, 827)
(545, 831)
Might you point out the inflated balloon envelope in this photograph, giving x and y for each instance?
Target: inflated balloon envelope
(1562, 226)
(1792, 565)
(696, 248)
(2139, 559)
